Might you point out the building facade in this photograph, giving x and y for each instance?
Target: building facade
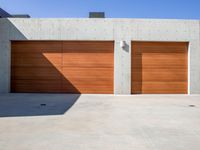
(108, 56)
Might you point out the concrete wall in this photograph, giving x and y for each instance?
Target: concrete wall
(103, 29)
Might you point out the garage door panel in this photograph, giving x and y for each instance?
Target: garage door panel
(165, 50)
(96, 73)
(162, 61)
(88, 66)
(82, 82)
(86, 82)
(88, 47)
(85, 91)
(105, 89)
(32, 58)
(159, 75)
(165, 87)
(159, 44)
(159, 67)
(36, 86)
(159, 88)
(37, 73)
(36, 62)
(36, 47)
(97, 60)
(64, 66)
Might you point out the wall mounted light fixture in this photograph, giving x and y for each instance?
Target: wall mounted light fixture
(122, 44)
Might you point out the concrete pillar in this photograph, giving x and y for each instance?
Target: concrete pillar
(4, 67)
(122, 68)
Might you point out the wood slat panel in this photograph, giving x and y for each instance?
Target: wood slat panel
(28, 47)
(163, 60)
(159, 88)
(159, 67)
(39, 61)
(36, 86)
(62, 66)
(159, 75)
(88, 66)
(92, 60)
(160, 44)
(88, 47)
(36, 73)
(31, 70)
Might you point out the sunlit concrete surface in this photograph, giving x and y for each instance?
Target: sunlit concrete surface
(99, 122)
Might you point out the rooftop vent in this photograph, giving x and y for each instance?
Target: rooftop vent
(96, 15)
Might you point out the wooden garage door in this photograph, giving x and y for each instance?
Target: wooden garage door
(159, 68)
(62, 67)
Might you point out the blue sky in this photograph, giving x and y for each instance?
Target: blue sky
(179, 9)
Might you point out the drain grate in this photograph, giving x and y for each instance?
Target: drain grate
(43, 105)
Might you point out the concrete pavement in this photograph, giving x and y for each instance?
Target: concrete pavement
(100, 122)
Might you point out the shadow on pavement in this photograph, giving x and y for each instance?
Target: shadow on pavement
(19, 105)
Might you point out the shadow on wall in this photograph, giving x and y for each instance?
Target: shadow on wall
(22, 105)
(35, 73)
(11, 29)
(37, 67)
(8, 31)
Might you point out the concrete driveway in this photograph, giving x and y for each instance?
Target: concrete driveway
(99, 122)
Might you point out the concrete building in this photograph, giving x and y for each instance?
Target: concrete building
(120, 56)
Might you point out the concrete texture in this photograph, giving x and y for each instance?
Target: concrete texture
(103, 29)
(100, 122)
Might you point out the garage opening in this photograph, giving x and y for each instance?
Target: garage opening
(159, 68)
(62, 67)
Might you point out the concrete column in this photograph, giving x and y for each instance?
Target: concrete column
(4, 67)
(122, 68)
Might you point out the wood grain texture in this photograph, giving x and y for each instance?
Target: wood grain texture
(62, 67)
(88, 66)
(159, 68)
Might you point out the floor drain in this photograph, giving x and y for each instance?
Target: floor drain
(192, 106)
(42, 105)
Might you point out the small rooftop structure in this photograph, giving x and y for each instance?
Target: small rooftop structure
(4, 14)
(20, 16)
(96, 15)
